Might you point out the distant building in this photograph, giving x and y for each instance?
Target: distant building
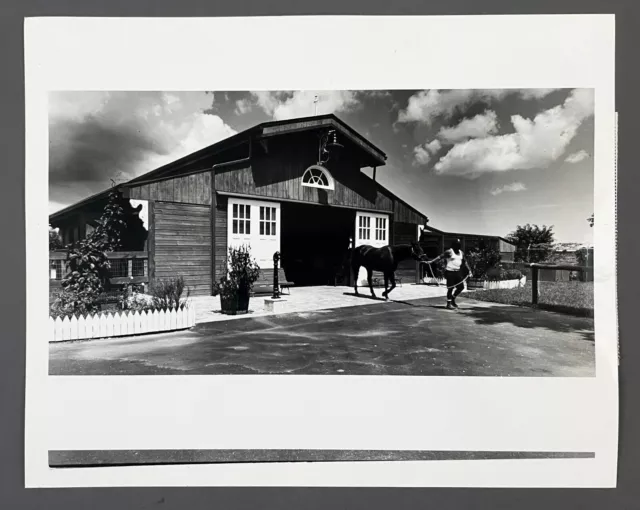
(434, 242)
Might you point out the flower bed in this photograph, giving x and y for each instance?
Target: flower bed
(105, 325)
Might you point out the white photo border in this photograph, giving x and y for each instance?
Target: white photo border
(334, 412)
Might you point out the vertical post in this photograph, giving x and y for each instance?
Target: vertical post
(151, 244)
(276, 284)
(534, 284)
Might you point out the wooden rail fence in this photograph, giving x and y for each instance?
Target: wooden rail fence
(105, 325)
(535, 269)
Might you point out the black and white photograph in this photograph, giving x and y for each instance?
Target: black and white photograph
(336, 263)
(373, 232)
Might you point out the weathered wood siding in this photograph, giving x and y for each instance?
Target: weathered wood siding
(278, 172)
(189, 189)
(220, 239)
(404, 214)
(183, 244)
(405, 233)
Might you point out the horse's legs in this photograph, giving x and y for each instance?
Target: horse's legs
(392, 277)
(386, 286)
(356, 269)
(370, 280)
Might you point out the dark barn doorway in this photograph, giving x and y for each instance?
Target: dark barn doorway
(314, 243)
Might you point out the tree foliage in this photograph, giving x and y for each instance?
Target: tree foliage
(590, 220)
(482, 260)
(55, 241)
(533, 243)
(87, 263)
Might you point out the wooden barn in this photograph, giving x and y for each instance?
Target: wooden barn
(294, 187)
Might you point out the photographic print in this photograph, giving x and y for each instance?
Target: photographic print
(373, 232)
(302, 261)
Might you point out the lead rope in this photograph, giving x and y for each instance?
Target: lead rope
(438, 283)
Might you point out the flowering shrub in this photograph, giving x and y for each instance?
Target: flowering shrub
(501, 274)
(484, 262)
(87, 263)
(242, 272)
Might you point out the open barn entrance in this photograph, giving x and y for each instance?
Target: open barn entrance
(314, 243)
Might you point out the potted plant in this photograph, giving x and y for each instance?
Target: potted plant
(235, 286)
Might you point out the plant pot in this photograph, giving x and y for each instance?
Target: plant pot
(235, 304)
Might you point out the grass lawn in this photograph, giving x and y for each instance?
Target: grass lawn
(575, 298)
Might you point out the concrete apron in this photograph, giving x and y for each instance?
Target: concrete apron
(308, 299)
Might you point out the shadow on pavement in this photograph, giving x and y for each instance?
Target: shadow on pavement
(524, 317)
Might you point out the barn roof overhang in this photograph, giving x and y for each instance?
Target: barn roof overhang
(199, 161)
(370, 154)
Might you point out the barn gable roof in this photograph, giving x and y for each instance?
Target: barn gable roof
(371, 155)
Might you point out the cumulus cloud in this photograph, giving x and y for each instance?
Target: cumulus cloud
(427, 105)
(97, 136)
(283, 105)
(433, 146)
(479, 126)
(421, 155)
(535, 143)
(516, 186)
(243, 106)
(576, 157)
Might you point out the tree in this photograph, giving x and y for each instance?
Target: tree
(482, 260)
(55, 241)
(88, 264)
(533, 243)
(590, 220)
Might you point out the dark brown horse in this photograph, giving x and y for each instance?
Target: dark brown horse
(383, 259)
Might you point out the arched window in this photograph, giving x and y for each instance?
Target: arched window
(317, 176)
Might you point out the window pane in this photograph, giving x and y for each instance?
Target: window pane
(268, 227)
(248, 211)
(262, 228)
(248, 227)
(273, 214)
(262, 213)
(235, 226)
(273, 229)
(235, 210)
(242, 227)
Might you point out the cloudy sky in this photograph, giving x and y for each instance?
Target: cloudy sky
(480, 161)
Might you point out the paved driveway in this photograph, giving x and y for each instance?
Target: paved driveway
(417, 337)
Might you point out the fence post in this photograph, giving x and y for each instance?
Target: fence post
(534, 284)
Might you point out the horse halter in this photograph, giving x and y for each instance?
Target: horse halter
(415, 255)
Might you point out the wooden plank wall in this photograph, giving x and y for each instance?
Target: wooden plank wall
(289, 187)
(405, 233)
(183, 244)
(220, 240)
(403, 213)
(189, 189)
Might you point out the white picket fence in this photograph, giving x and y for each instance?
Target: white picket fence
(486, 284)
(105, 325)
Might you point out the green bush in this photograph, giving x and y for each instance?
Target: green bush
(242, 272)
(168, 294)
(484, 262)
(87, 263)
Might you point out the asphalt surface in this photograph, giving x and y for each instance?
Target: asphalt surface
(416, 337)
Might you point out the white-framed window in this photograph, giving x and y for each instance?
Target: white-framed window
(364, 228)
(317, 176)
(241, 219)
(267, 221)
(381, 229)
